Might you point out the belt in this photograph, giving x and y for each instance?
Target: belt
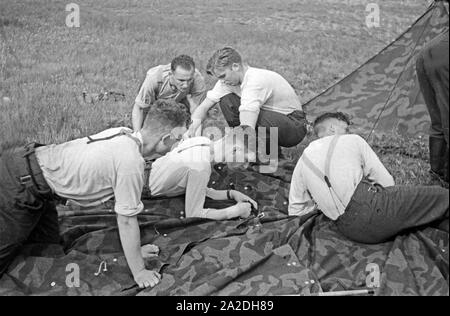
(33, 180)
(298, 115)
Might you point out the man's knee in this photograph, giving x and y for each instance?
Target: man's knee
(291, 130)
(230, 100)
(229, 104)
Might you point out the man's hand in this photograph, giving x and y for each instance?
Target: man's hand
(193, 129)
(242, 209)
(149, 251)
(241, 197)
(147, 278)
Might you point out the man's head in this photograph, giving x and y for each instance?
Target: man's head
(226, 65)
(333, 123)
(237, 147)
(164, 125)
(183, 71)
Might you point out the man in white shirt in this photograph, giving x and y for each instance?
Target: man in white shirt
(252, 97)
(87, 171)
(340, 175)
(187, 170)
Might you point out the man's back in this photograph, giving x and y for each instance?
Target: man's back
(279, 94)
(90, 172)
(351, 160)
(169, 174)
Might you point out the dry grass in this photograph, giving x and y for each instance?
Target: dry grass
(45, 66)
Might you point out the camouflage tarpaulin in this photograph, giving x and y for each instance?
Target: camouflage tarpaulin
(275, 255)
(386, 87)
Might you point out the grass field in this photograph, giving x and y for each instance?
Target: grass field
(46, 66)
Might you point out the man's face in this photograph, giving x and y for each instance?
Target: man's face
(229, 75)
(170, 139)
(237, 154)
(182, 78)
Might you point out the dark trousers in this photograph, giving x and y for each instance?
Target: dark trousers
(432, 71)
(376, 214)
(291, 127)
(24, 218)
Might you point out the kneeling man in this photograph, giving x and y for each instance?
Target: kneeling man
(252, 97)
(87, 171)
(342, 176)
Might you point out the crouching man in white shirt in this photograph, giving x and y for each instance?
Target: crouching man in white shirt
(187, 170)
(342, 176)
(252, 97)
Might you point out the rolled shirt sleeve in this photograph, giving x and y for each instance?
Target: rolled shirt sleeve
(252, 99)
(147, 93)
(300, 201)
(219, 91)
(128, 188)
(196, 186)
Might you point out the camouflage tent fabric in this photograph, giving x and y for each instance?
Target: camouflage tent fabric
(272, 255)
(384, 93)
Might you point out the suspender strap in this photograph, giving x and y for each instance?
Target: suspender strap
(121, 133)
(325, 176)
(93, 140)
(136, 140)
(312, 167)
(330, 152)
(199, 145)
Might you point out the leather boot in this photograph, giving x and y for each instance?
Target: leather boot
(439, 157)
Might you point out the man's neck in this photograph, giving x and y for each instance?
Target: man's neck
(149, 143)
(332, 134)
(172, 83)
(245, 68)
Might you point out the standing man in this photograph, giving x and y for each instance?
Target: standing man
(179, 81)
(252, 97)
(88, 171)
(432, 71)
(342, 176)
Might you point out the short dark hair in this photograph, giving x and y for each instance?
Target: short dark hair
(340, 116)
(223, 58)
(167, 114)
(183, 61)
(332, 115)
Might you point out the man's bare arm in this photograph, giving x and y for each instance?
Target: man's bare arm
(199, 116)
(130, 238)
(137, 117)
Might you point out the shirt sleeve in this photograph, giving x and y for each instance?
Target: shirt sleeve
(373, 168)
(198, 91)
(218, 92)
(300, 201)
(253, 97)
(147, 93)
(197, 181)
(128, 189)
